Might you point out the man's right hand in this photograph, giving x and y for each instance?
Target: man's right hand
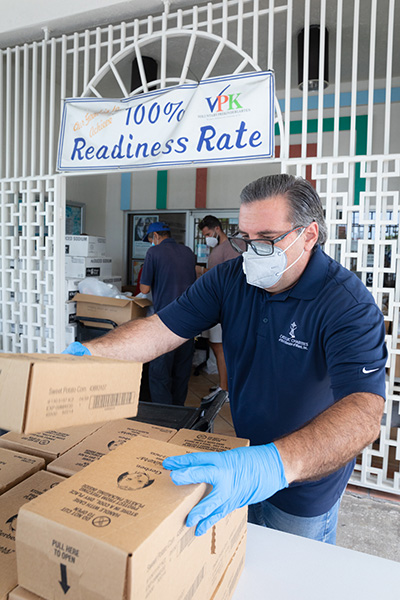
(77, 349)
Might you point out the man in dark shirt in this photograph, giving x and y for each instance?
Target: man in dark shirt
(168, 270)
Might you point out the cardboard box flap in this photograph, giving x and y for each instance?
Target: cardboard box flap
(118, 302)
(14, 382)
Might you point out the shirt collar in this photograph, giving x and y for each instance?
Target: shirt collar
(311, 281)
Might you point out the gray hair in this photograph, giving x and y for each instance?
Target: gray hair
(304, 202)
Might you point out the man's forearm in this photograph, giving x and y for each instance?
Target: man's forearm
(140, 340)
(333, 438)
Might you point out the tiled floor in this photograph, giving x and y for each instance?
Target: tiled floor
(367, 523)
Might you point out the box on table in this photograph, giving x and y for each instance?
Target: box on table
(79, 267)
(16, 466)
(50, 391)
(123, 518)
(119, 310)
(104, 440)
(85, 245)
(48, 445)
(10, 503)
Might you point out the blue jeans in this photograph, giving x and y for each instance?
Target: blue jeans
(321, 528)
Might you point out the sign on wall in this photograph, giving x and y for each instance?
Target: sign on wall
(219, 120)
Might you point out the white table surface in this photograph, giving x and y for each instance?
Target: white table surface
(281, 566)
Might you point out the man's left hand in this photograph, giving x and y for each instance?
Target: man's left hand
(239, 477)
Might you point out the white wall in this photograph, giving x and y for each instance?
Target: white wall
(91, 190)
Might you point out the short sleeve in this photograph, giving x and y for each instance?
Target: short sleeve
(197, 309)
(356, 352)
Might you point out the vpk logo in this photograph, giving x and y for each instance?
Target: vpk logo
(224, 101)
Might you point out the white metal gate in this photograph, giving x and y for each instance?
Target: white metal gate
(345, 138)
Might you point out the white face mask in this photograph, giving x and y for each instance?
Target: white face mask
(266, 271)
(211, 242)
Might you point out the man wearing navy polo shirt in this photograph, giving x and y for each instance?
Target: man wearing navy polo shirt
(168, 270)
(305, 350)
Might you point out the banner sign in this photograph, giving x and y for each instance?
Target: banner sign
(219, 120)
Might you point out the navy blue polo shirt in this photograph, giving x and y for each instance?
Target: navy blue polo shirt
(289, 356)
(169, 269)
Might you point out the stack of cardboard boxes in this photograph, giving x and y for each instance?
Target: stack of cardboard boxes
(85, 256)
(115, 527)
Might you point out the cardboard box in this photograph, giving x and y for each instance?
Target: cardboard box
(123, 518)
(119, 310)
(50, 391)
(48, 445)
(230, 578)
(10, 503)
(85, 245)
(15, 467)
(79, 267)
(70, 312)
(207, 442)
(71, 288)
(71, 332)
(104, 440)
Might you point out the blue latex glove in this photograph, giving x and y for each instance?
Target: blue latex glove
(77, 349)
(239, 477)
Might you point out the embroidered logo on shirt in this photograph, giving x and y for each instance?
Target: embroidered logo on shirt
(369, 370)
(292, 340)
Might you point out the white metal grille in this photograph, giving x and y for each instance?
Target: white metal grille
(346, 138)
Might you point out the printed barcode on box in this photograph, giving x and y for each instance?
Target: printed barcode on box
(191, 592)
(105, 400)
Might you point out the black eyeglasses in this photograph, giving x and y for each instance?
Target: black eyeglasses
(261, 247)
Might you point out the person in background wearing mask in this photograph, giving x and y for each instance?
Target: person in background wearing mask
(305, 351)
(168, 270)
(221, 250)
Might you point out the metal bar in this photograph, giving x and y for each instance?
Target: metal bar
(255, 31)
(2, 94)
(188, 58)
(110, 43)
(86, 59)
(64, 59)
(388, 87)
(52, 102)
(8, 112)
(42, 154)
(119, 80)
(239, 35)
(321, 77)
(271, 18)
(209, 17)
(305, 77)
(25, 104)
(288, 77)
(372, 45)
(17, 116)
(163, 66)
(75, 66)
(97, 55)
(354, 79)
(34, 109)
(338, 59)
